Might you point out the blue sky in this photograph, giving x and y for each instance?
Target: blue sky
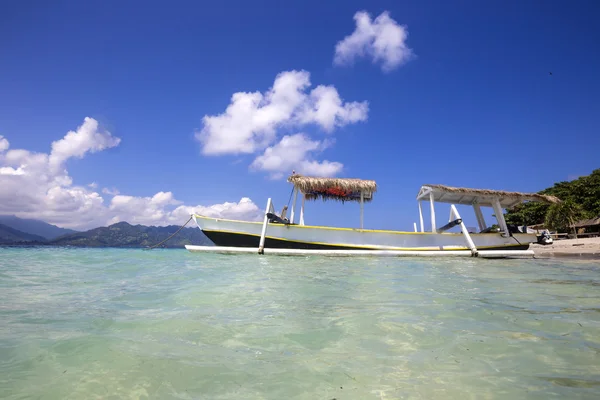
(474, 106)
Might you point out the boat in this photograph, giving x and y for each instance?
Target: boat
(278, 234)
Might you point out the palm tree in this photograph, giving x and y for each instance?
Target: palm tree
(561, 216)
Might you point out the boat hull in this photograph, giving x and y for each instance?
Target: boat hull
(231, 233)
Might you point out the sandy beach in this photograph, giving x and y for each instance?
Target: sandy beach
(589, 247)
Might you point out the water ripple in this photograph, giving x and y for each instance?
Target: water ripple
(168, 324)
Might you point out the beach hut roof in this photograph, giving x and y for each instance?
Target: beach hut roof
(342, 189)
(538, 226)
(484, 197)
(586, 222)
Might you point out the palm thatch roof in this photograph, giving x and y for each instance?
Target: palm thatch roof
(539, 226)
(458, 195)
(586, 222)
(341, 189)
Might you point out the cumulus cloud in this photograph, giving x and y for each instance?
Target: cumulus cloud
(3, 144)
(142, 210)
(325, 108)
(295, 153)
(382, 40)
(86, 139)
(245, 209)
(251, 121)
(151, 211)
(37, 185)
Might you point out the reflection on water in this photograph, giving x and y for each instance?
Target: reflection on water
(83, 323)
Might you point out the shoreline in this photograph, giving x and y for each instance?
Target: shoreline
(588, 248)
(582, 249)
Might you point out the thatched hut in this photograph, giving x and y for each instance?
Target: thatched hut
(591, 225)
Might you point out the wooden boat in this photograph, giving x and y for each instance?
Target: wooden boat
(281, 235)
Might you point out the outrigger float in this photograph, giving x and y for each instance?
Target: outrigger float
(277, 234)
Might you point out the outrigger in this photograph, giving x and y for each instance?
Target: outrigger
(277, 234)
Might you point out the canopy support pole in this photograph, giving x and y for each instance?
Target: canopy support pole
(479, 215)
(302, 211)
(432, 207)
(421, 216)
(362, 208)
(261, 244)
(500, 217)
(294, 205)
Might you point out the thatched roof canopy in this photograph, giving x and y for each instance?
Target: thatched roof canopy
(457, 195)
(342, 189)
(539, 226)
(586, 223)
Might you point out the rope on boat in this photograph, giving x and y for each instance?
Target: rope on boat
(176, 232)
(290, 199)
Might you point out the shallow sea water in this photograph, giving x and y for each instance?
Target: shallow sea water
(169, 324)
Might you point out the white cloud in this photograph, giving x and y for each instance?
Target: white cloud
(147, 211)
(93, 185)
(37, 185)
(143, 210)
(12, 171)
(251, 121)
(295, 153)
(245, 209)
(325, 108)
(87, 138)
(383, 40)
(111, 192)
(3, 144)
(323, 168)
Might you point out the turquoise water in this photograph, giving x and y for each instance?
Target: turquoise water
(168, 324)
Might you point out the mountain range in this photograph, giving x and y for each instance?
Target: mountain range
(10, 235)
(34, 227)
(121, 234)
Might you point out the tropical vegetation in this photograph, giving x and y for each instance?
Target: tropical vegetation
(580, 200)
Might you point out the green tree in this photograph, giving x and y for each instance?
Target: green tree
(562, 216)
(530, 213)
(583, 191)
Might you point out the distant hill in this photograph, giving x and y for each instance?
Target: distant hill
(123, 234)
(9, 235)
(34, 227)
